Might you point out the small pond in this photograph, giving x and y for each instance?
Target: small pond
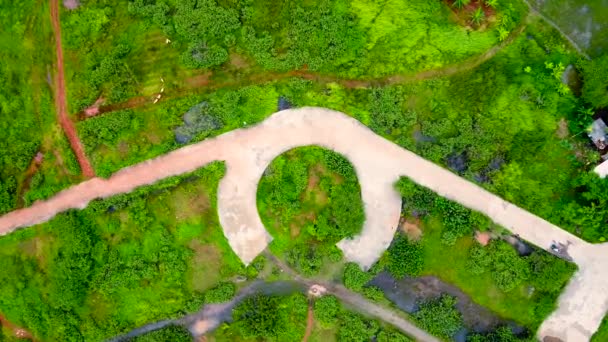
(408, 292)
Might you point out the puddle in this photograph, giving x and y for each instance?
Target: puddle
(407, 293)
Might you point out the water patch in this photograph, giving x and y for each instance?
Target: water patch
(408, 293)
(198, 120)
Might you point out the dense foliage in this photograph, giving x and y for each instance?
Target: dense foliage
(283, 318)
(502, 334)
(523, 288)
(595, 83)
(92, 274)
(275, 318)
(27, 116)
(358, 39)
(439, 317)
(405, 257)
(309, 199)
(171, 333)
(99, 272)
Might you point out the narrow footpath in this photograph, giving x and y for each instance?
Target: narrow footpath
(61, 100)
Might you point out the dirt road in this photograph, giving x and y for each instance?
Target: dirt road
(209, 84)
(378, 164)
(61, 101)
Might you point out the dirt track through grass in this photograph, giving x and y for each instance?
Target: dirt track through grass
(61, 100)
(205, 81)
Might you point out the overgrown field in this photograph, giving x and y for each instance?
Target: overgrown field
(309, 199)
(120, 263)
(283, 318)
(156, 76)
(27, 111)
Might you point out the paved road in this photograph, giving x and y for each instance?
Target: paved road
(378, 164)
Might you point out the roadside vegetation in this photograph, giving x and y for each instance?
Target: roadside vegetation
(283, 318)
(27, 112)
(309, 199)
(96, 273)
(155, 76)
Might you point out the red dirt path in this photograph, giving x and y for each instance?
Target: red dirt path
(61, 102)
(17, 331)
(310, 321)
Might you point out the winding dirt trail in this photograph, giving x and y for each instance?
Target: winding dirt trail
(310, 323)
(208, 84)
(61, 100)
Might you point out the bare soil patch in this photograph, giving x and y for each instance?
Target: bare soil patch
(483, 238)
(310, 322)
(562, 129)
(71, 4)
(205, 265)
(17, 332)
(411, 227)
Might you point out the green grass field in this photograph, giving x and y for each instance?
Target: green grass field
(505, 124)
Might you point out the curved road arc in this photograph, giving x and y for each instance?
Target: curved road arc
(378, 164)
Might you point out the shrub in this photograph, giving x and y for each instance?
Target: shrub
(326, 310)
(440, 317)
(404, 258)
(354, 277)
(221, 293)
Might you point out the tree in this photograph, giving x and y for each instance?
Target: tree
(258, 316)
(508, 269)
(595, 81)
(354, 277)
(404, 258)
(440, 317)
(326, 310)
(354, 328)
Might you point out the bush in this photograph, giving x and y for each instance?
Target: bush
(440, 317)
(171, 333)
(479, 260)
(353, 328)
(326, 310)
(354, 277)
(221, 293)
(508, 269)
(404, 258)
(374, 293)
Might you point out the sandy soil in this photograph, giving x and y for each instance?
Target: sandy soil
(378, 164)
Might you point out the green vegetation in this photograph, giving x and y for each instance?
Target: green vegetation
(99, 272)
(583, 21)
(602, 333)
(309, 199)
(521, 288)
(283, 318)
(273, 318)
(440, 317)
(407, 69)
(27, 116)
(595, 85)
(171, 333)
